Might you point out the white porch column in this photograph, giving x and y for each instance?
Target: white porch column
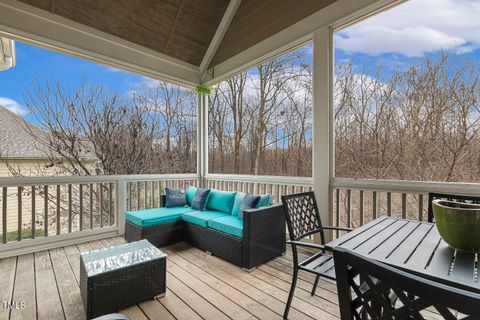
(121, 205)
(202, 137)
(323, 164)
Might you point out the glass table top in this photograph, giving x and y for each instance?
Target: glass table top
(120, 256)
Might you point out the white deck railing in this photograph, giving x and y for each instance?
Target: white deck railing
(357, 201)
(274, 185)
(39, 213)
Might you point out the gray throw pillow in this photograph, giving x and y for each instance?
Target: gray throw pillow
(200, 199)
(175, 197)
(249, 202)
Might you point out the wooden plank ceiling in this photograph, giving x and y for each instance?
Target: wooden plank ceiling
(256, 20)
(183, 29)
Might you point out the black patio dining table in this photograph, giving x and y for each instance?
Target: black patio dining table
(414, 247)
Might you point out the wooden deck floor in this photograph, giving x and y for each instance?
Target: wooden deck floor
(199, 286)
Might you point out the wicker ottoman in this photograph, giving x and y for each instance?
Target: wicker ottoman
(115, 278)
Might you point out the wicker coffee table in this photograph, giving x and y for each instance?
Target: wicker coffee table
(117, 277)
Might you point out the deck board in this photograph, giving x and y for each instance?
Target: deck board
(48, 299)
(154, 308)
(67, 285)
(268, 287)
(178, 307)
(271, 295)
(243, 300)
(265, 300)
(199, 286)
(7, 270)
(73, 257)
(24, 290)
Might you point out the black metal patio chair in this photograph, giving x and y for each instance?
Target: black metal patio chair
(365, 288)
(303, 220)
(451, 197)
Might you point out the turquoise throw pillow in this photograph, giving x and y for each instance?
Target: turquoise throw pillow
(238, 203)
(222, 201)
(191, 194)
(265, 200)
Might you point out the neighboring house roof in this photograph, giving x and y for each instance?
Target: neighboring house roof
(16, 141)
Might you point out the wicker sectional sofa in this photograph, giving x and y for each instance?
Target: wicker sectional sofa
(248, 242)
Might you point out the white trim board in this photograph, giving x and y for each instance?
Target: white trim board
(218, 37)
(26, 23)
(26, 246)
(56, 180)
(335, 15)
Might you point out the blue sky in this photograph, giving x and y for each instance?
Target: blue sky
(397, 37)
(402, 35)
(34, 62)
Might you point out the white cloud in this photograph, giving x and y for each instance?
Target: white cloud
(113, 69)
(13, 106)
(416, 27)
(149, 82)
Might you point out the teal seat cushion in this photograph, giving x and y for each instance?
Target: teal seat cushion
(221, 201)
(191, 194)
(265, 200)
(201, 218)
(229, 224)
(238, 203)
(151, 217)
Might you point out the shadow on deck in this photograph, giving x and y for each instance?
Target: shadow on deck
(199, 286)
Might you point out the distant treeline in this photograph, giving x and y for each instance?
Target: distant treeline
(420, 122)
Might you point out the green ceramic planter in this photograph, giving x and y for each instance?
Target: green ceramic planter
(458, 224)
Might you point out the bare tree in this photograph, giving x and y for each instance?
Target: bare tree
(419, 124)
(91, 124)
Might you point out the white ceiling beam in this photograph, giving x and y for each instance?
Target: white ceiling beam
(26, 23)
(218, 37)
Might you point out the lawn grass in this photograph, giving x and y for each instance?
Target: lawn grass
(26, 234)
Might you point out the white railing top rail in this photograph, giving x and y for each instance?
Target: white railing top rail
(411, 187)
(293, 181)
(38, 181)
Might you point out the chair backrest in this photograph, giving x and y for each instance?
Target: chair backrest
(451, 197)
(302, 215)
(382, 285)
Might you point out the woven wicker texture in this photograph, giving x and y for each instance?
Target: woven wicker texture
(263, 237)
(118, 289)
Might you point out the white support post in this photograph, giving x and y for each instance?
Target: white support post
(202, 137)
(323, 123)
(121, 205)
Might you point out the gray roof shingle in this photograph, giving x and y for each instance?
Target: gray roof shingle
(16, 141)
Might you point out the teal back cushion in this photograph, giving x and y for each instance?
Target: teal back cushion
(238, 203)
(265, 200)
(222, 201)
(190, 194)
